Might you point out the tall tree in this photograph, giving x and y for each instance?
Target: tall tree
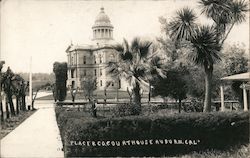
(60, 70)
(1, 104)
(208, 40)
(174, 85)
(88, 86)
(136, 63)
(8, 89)
(235, 62)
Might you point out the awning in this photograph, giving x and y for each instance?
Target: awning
(238, 77)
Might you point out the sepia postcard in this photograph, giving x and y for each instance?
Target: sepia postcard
(142, 78)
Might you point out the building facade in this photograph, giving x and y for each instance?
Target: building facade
(89, 62)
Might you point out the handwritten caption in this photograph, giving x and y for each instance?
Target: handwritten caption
(108, 143)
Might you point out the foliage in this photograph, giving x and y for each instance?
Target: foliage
(173, 85)
(137, 63)
(207, 41)
(235, 62)
(230, 128)
(88, 86)
(60, 70)
(124, 110)
(13, 85)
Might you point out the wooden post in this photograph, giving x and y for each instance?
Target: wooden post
(222, 98)
(244, 97)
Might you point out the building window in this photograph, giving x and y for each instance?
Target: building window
(84, 59)
(112, 84)
(94, 60)
(72, 73)
(112, 57)
(100, 58)
(100, 82)
(84, 73)
(95, 72)
(119, 83)
(72, 60)
(100, 72)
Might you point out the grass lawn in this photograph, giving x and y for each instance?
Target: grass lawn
(240, 152)
(98, 94)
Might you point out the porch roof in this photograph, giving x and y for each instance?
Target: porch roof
(238, 77)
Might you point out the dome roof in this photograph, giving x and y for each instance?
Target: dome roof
(102, 19)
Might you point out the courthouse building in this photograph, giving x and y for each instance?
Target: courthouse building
(90, 61)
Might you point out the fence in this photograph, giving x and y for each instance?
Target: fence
(109, 105)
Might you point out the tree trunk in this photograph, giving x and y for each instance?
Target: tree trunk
(17, 104)
(179, 104)
(12, 109)
(208, 88)
(137, 99)
(1, 109)
(23, 103)
(7, 108)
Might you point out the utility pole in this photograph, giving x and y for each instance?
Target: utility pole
(30, 85)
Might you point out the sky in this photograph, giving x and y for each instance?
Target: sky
(43, 29)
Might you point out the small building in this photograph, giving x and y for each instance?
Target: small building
(90, 61)
(245, 79)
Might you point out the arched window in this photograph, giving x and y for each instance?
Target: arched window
(95, 72)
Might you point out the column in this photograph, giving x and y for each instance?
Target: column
(222, 98)
(106, 33)
(244, 97)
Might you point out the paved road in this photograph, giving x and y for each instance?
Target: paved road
(37, 137)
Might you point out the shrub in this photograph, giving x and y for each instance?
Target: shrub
(123, 110)
(213, 130)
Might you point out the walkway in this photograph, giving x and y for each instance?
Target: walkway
(38, 136)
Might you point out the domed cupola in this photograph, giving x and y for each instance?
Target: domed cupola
(102, 29)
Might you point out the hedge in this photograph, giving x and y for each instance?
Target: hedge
(152, 135)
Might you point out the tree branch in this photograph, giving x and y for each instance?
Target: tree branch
(225, 37)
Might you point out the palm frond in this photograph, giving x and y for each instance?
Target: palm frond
(238, 9)
(206, 46)
(217, 10)
(183, 25)
(144, 49)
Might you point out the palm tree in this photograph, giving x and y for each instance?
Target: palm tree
(136, 63)
(208, 41)
(225, 14)
(1, 104)
(183, 26)
(206, 53)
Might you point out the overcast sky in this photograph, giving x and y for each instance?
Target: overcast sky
(44, 29)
